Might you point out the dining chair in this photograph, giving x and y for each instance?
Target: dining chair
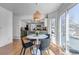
(25, 46)
(45, 43)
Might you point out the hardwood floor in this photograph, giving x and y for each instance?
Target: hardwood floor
(15, 48)
(6, 50)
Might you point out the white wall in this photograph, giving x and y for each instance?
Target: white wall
(16, 27)
(5, 27)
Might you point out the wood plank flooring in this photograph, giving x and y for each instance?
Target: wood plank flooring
(15, 48)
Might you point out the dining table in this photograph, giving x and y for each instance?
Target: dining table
(36, 50)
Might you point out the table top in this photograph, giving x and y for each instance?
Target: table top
(34, 36)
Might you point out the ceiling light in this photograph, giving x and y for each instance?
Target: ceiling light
(37, 16)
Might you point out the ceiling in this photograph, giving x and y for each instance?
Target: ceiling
(29, 8)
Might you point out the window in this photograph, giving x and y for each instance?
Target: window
(74, 29)
(63, 30)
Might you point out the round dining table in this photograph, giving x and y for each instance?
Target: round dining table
(36, 50)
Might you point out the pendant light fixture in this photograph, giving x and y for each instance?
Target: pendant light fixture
(37, 14)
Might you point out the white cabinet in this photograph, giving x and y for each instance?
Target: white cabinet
(32, 27)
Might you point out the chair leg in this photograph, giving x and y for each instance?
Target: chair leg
(21, 51)
(30, 49)
(24, 51)
(41, 53)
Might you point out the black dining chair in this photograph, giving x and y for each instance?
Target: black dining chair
(25, 46)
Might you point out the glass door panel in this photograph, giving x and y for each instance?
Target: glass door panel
(74, 29)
